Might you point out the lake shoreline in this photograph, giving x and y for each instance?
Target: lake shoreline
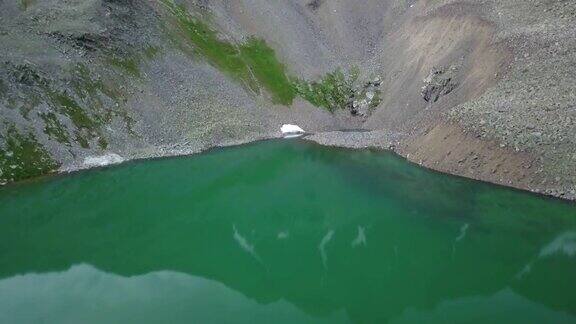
(348, 139)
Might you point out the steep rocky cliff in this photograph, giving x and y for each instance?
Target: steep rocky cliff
(483, 89)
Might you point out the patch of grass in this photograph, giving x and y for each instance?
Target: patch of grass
(83, 84)
(151, 52)
(23, 157)
(87, 126)
(256, 66)
(25, 4)
(89, 104)
(127, 64)
(102, 143)
(54, 128)
(90, 88)
(332, 92)
(377, 100)
(253, 63)
(69, 107)
(262, 61)
(221, 54)
(82, 139)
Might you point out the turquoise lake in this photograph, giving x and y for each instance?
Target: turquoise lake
(282, 231)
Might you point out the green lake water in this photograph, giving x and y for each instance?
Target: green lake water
(282, 232)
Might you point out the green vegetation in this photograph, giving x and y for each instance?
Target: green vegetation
(102, 143)
(23, 157)
(87, 127)
(263, 63)
(90, 89)
(83, 83)
(128, 64)
(151, 52)
(256, 66)
(253, 63)
(333, 91)
(81, 139)
(54, 128)
(70, 108)
(35, 88)
(25, 4)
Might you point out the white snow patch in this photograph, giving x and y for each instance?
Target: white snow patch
(289, 130)
(103, 160)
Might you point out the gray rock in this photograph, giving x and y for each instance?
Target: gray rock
(439, 82)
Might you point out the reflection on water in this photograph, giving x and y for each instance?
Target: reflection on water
(245, 245)
(361, 238)
(279, 232)
(283, 235)
(463, 231)
(565, 243)
(84, 294)
(501, 307)
(322, 247)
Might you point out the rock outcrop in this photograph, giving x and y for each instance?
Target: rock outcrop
(439, 82)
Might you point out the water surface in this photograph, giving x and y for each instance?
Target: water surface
(282, 232)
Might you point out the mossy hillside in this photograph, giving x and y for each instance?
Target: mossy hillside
(71, 107)
(88, 100)
(151, 52)
(256, 66)
(333, 91)
(93, 89)
(24, 4)
(129, 65)
(54, 128)
(87, 126)
(253, 63)
(267, 69)
(23, 157)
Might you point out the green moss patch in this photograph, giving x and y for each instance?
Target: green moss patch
(253, 63)
(23, 157)
(256, 66)
(127, 64)
(25, 4)
(151, 52)
(262, 61)
(332, 92)
(54, 128)
(69, 107)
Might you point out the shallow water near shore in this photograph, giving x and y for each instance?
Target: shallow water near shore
(282, 231)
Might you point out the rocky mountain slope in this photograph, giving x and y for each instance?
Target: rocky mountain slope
(483, 89)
